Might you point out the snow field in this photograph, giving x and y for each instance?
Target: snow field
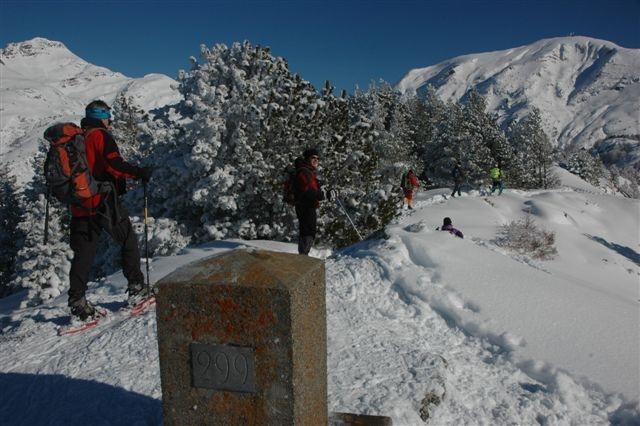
(419, 324)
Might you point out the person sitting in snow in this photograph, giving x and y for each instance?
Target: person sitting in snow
(447, 225)
(409, 183)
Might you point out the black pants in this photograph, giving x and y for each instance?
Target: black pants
(307, 221)
(113, 218)
(456, 188)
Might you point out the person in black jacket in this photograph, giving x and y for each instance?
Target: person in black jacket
(458, 178)
(308, 197)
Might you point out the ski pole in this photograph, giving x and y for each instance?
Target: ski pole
(146, 233)
(46, 218)
(348, 217)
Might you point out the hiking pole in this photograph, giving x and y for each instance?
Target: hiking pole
(146, 234)
(348, 217)
(46, 218)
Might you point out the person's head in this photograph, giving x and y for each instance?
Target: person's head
(446, 221)
(311, 156)
(98, 110)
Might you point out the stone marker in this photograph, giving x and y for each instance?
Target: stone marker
(242, 341)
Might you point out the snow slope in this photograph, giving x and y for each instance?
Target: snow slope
(504, 339)
(43, 82)
(586, 89)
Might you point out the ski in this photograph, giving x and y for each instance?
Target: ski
(142, 306)
(84, 326)
(123, 314)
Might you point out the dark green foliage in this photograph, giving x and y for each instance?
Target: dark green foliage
(10, 235)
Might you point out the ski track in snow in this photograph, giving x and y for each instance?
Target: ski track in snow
(396, 333)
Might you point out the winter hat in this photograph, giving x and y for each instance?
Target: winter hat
(447, 221)
(310, 152)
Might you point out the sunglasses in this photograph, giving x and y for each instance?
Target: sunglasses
(315, 157)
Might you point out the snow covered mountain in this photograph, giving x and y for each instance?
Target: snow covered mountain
(586, 89)
(43, 82)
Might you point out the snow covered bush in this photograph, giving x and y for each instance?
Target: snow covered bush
(245, 117)
(43, 268)
(524, 237)
(583, 164)
(11, 236)
(166, 238)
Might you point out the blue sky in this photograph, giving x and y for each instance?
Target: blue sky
(347, 42)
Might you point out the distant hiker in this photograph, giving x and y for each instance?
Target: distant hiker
(447, 225)
(409, 184)
(496, 179)
(103, 211)
(307, 200)
(458, 178)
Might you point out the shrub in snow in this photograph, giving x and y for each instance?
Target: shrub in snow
(11, 236)
(626, 180)
(166, 238)
(583, 164)
(524, 237)
(43, 268)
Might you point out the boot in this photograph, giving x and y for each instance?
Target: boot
(137, 292)
(82, 309)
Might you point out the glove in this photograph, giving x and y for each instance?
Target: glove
(145, 174)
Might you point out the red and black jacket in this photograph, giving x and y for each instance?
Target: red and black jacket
(308, 191)
(105, 163)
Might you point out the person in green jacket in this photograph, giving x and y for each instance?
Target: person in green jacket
(496, 178)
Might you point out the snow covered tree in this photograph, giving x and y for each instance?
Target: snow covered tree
(533, 154)
(42, 268)
(446, 146)
(245, 117)
(10, 235)
(485, 144)
(583, 164)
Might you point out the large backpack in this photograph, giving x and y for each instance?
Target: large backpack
(404, 183)
(290, 185)
(66, 169)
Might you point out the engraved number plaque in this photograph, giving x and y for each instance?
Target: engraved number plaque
(222, 367)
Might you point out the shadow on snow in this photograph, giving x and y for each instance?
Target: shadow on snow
(34, 399)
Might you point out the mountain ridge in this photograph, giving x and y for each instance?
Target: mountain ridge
(584, 87)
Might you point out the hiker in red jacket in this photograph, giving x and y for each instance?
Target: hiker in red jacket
(103, 211)
(409, 184)
(308, 197)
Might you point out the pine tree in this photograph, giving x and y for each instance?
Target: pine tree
(483, 142)
(533, 154)
(11, 236)
(586, 166)
(245, 117)
(43, 268)
(129, 125)
(446, 145)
